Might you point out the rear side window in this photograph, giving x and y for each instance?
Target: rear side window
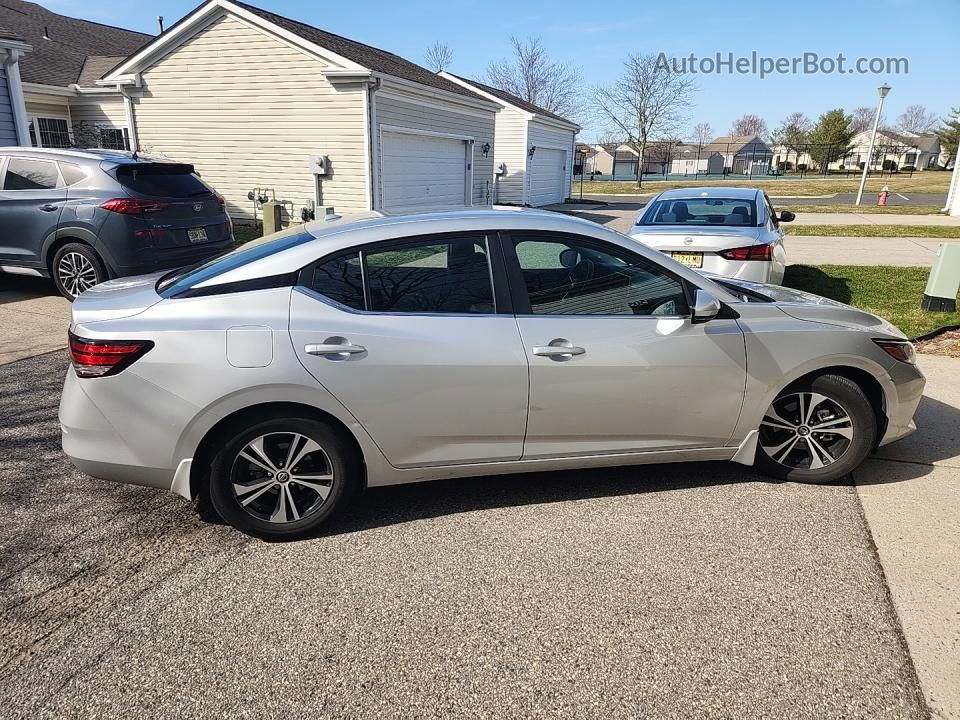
(72, 174)
(26, 174)
(162, 180)
(428, 275)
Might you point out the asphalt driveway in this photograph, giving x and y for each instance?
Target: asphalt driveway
(685, 590)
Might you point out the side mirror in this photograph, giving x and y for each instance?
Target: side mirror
(787, 216)
(705, 306)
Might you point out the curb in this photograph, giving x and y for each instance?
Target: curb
(935, 333)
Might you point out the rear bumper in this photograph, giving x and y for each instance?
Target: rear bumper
(150, 260)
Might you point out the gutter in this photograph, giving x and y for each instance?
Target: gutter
(11, 66)
(373, 176)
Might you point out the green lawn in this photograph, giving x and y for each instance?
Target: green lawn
(925, 231)
(869, 209)
(893, 293)
(922, 182)
(246, 233)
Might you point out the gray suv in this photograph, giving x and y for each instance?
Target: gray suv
(83, 216)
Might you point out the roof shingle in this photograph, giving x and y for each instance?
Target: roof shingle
(514, 100)
(59, 59)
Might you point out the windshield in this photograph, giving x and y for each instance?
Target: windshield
(692, 212)
(174, 283)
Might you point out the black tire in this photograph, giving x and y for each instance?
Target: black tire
(69, 257)
(336, 454)
(850, 452)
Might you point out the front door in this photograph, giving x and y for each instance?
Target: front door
(31, 198)
(616, 365)
(410, 339)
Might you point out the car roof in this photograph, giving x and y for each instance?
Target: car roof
(119, 157)
(691, 193)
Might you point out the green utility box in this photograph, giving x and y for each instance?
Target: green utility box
(944, 282)
(271, 217)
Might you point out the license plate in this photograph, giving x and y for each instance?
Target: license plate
(197, 235)
(690, 259)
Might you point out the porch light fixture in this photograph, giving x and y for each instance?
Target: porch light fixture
(485, 149)
(531, 151)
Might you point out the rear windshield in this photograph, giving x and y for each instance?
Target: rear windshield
(162, 180)
(178, 281)
(697, 212)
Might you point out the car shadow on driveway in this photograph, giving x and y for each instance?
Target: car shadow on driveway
(15, 288)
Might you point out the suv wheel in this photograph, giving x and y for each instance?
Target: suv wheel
(816, 432)
(76, 268)
(282, 478)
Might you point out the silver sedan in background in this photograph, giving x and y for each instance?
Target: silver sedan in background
(280, 379)
(734, 232)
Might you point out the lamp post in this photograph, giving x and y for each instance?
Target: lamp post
(883, 90)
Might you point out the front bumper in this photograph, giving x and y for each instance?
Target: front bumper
(908, 383)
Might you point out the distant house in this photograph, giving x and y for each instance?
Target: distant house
(533, 151)
(893, 151)
(742, 154)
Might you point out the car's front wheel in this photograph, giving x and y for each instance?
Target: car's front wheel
(282, 478)
(76, 268)
(816, 431)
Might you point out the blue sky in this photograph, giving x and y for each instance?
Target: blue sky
(598, 37)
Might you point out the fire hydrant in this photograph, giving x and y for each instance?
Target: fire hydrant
(882, 197)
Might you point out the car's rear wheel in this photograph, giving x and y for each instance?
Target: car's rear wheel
(76, 268)
(282, 478)
(816, 431)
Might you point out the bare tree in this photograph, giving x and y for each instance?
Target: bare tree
(647, 101)
(438, 57)
(861, 119)
(702, 133)
(749, 124)
(533, 76)
(793, 133)
(916, 119)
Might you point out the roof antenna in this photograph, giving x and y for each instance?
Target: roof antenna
(46, 35)
(160, 23)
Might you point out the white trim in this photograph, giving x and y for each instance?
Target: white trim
(419, 90)
(15, 45)
(41, 89)
(564, 124)
(131, 119)
(143, 59)
(415, 131)
(18, 103)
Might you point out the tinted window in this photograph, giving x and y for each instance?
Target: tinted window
(165, 180)
(701, 211)
(184, 279)
(573, 277)
(72, 173)
(340, 280)
(431, 275)
(24, 174)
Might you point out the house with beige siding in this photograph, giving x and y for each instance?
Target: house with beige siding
(534, 150)
(393, 136)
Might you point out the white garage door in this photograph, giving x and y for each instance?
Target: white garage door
(547, 172)
(422, 172)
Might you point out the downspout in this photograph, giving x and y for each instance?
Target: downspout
(372, 144)
(131, 119)
(11, 66)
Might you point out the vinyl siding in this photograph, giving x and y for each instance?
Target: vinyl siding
(511, 149)
(247, 110)
(8, 130)
(544, 135)
(107, 110)
(46, 109)
(479, 124)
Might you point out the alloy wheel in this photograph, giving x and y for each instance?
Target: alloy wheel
(76, 273)
(806, 431)
(282, 477)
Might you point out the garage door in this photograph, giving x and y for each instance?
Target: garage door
(625, 168)
(547, 172)
(422, 172)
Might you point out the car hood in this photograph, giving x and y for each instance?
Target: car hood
(120, 298)
(814, 308)
(695, 238)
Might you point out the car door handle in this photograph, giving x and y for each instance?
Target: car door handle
(558, 349)
(334, 349)
(48, 208)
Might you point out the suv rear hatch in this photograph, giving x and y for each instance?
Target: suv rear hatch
(180, 210)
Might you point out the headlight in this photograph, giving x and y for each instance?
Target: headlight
(901, 350)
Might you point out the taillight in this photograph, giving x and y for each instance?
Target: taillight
(221, 200)
(133, 206)
(100, 358)
(751, 252)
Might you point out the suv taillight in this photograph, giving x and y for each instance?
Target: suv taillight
(100, 358)
(751, 252)
(132, 206)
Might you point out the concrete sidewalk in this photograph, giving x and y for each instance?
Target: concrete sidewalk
(911, 500)
(872, 219)
(827, 250)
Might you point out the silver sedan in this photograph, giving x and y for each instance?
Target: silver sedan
(280, 379)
